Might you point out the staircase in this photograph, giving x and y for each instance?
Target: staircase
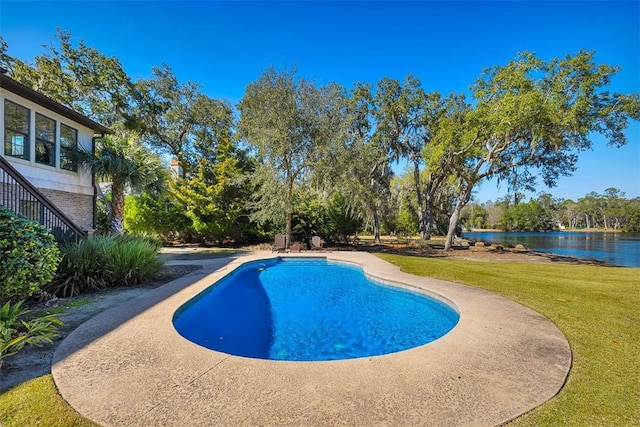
(20, 196)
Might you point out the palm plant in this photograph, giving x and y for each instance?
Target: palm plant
(121, 160)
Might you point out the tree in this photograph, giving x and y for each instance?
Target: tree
(179, 119)
(125, 164)
(403, 217)
(494, 212)
(530, 216)
(406, 119)
(215, 193)
(358, 163)
(80, 77)
(159, 214)
(474, 215)
(532, 115)
(288, 122)
(612, 210)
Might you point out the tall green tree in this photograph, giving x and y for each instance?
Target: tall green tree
(359, 163)
(533, 115)
(123, 163)
(215, 194)
(407, 118)
(288, 122)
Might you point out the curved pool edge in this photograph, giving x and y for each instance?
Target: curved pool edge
(129, 366)
(207, 320)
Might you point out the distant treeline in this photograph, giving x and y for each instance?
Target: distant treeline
(608, 211)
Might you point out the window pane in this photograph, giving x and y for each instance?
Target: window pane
(16, 130)
(45, 128)
(45, 140)
(68, 136)
(15, 144)
(45, 153)
(68, 144)
(16, 117)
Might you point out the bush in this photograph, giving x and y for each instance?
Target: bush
(104, 262)
(16, 332)
(155, 214)
(29, 256)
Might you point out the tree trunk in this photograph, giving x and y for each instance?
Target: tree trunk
(376, 227)
(288, 230)
(428, 202)
(465, 195)
(422, 218)
(289, 212)
(117, 209)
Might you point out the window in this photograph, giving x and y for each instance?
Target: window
(16, 130)
(45, 140)
(68, 147)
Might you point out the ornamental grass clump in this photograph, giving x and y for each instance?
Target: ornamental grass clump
(104, 262)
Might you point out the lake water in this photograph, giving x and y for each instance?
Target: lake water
(622, 249)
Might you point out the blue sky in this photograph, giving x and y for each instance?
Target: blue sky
(224, 46)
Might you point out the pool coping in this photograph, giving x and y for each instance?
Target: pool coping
(128, 365)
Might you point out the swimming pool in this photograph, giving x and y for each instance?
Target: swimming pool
(133, 354)
(306, 309)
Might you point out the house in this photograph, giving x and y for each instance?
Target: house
(39, 176)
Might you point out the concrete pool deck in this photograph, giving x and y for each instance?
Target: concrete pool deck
(128, 365)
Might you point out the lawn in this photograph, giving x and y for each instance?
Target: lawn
(597, 308)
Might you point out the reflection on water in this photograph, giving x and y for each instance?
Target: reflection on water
(621, 249)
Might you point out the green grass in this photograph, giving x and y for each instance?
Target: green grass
(598, 310)
(37, 402)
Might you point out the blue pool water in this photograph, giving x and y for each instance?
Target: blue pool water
(309, 309)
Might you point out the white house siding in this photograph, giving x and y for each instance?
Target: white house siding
(71, 191)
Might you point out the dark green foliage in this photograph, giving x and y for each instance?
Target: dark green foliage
(104, 262)
(309, 216)
(29, 256)
(340, 221)
(123, 162)
(527, 217)
(214, 196)
(316, 214)
(289, 123)
(162, 215)
(16, 331)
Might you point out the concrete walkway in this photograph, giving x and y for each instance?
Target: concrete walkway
(129, 367)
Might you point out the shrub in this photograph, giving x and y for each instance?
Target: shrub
(156, 214)
(29, 256)
(104, 262)
(16, 332)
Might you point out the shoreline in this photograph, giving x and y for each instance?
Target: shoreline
(566, 230)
